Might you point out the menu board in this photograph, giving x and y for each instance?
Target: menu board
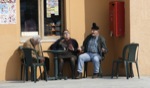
(7, 11)
(52, 7)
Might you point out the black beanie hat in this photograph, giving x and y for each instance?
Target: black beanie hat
(94, 27)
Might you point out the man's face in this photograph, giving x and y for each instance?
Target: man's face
(66, 35)
(94, 32)
(36, 42)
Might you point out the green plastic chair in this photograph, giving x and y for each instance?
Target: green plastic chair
(129, 56)
(28, 62)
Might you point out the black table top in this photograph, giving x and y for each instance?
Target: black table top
(54, 51)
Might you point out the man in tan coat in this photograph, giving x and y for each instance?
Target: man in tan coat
(34, 43)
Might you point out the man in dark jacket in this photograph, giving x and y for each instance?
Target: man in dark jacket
(71, 46)
(93, 47)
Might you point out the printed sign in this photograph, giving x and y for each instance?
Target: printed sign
(7, 11)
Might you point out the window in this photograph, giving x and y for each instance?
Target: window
(41, 17)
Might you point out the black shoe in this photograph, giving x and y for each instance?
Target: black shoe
(79, 76)
(73, 76)
(33, 79)
(131, 75)
(95, 75)
(60, 75)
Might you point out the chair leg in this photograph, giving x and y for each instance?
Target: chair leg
(112, 74)
(131, 70)
(137, 69)
(117, 69)
(100, 71)
(40, 72)
(21, 71)
(45, 73)
(26, 72)
(126, 69)
(25, 76)
(85, 69)
(34, 72)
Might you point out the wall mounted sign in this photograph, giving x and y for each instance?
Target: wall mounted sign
(52, 7)
(7, 11)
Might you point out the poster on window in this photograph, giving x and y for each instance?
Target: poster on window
(7, 11)
(52, 7)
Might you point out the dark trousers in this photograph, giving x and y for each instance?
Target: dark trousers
(47, 64)
(71, 60)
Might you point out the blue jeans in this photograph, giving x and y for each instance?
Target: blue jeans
(94, 57)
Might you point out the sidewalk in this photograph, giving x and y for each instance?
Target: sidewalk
(105, 82)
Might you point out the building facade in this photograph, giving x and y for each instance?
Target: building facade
(76, 16)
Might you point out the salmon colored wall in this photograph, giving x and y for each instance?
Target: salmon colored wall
(140, 31)
(10, 39)
(98, 11)
(75, 15)
(79, 16)
(120, 42)
(9, 36)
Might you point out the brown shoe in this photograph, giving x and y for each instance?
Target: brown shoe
(79, 76)
(95, 75)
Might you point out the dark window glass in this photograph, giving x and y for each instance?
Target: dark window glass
(53, 19)
(29, 15)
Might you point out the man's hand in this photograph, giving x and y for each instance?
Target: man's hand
(70, 47)
(103, 50)
(80, 49)
(42, 59)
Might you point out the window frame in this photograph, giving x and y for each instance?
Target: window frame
(41, 23)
